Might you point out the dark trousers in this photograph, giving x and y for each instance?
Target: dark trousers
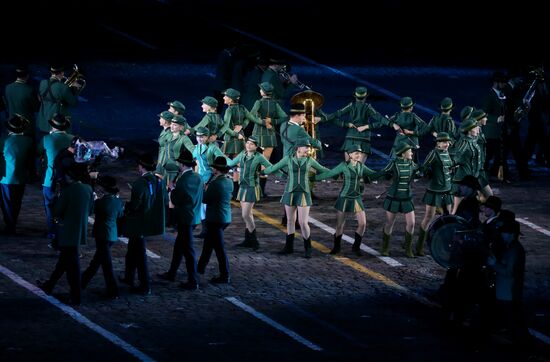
(537, 135)
(136, 258)
(183, 247)
(49, 201)
(102, 257)
(12, 196)
(69, 261)
(495, 152)
(513, 144)
(214, 241)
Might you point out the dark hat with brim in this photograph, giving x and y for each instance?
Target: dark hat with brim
(60, 122)
(147, 161)
(468, 125)
(406, 102)
(279, 61)
(512, 228)
(297, 108)
(446, 104)
(478, 114)
(361, 92)
(77, 171)
(186, 158)
(232, 93)
(220, 164)
(466, 112)
(493, 202)
(354, 148)
(402, 147)
(57, 68)
(177, 105)
(22, 69)
(211, 101)
(443, 137)
(202, 131)
(266, 87)
(166, 115)
(469, 181)
(108, 183)
(17, 123)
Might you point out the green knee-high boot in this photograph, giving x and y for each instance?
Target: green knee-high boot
(385, 244)
(337, 244)
(289, 245)
(356, 248)
(408, 245)
(420, 242)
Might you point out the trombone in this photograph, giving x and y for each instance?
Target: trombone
(285, 75)
(76, 80)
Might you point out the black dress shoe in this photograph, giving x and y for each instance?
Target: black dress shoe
(167, 276)
(189, 286)
(45, 286)
(220, 280)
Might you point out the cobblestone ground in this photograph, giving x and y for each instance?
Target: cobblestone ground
(352, 308)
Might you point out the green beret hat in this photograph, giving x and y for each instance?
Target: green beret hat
(202, 131)
(179, 120)
(446, 104)
(167, 115)
(232, 93)
(402, 147)
(443, 136)
(478, 114)
(466, 112)
(467, 125)
(361, 92)
(266, 87)
(177, 105)
(354, 148)
(406, 102)
(211, 101)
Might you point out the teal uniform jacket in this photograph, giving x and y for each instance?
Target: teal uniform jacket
(107, 210)
(359, 114)
(22, 98)
(235, 114)
(50, 145)
(15, 159)
(292, 132)
(205, 156)
(213, 122)
(411, 122)
(72, 209)
(469, 158)
(442, 123)
(217, 198)
(494, 106)
(56, 97)
(187, 198)
(349, 199)
(297, 189)
(267, 108)
(438, 165)
(145, 212)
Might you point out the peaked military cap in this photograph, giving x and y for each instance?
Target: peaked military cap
(446, 104)
(232, 93)
(478, 114)
(166, 115)
(211, 101)
(202, 131)
(443, 137)
(466, 112)
(402, 147)
(177, 105)
(17, 123)
(266, 87)
(179, 120)
(468, 124)
(361, 92)
(60, 122)
(406, 102)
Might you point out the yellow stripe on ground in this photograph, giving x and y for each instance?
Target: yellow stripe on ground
(348, 262)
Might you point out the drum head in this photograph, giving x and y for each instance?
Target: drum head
(443, 236)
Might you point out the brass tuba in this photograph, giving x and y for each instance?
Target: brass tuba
(76, 79)
(311, 100)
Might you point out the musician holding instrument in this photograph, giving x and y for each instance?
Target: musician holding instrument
(56, 96)
(282, 81)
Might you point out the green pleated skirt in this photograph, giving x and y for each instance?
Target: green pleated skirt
(398, 205)
(296, 199)
(438, 199)
(345, 204)
(249, 193)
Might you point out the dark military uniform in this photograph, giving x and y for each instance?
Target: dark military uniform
(438, 165)
(22, 99)
(211, 121)
(399, 195)
(235, 114)
(292, 132)
(468, 156)
(411, 122)
(267, 108)
(56, 97)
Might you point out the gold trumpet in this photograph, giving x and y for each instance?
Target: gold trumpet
(76, 79)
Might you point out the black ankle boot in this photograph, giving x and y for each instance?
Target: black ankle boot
(356, 248)
(307, 248)
(289, 245)
(337, 244)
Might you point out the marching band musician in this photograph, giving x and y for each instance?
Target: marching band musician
(350, 197)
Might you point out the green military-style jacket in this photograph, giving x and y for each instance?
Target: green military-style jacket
(410, 121)
(359, 114)
(298, 172)
(49, 146)
(495, 106)
(205, 156)
(145, 212)
(56, 97)
(468, 156)
(213, 122)
(15, 159)
(164, 136)
(187, 198)
(352, 178)
(72, 209)
(292, 132)
(22, 98)
(401, 172)
(263, 108)
(438, 165)
(107, 210)
(250, 167)
(442, 123)
(217, 198)
(172, 149)
(235, 114)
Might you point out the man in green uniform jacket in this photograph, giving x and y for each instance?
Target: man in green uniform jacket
(22, 99)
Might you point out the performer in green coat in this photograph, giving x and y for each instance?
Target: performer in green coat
(350, 197)
(443, 122)
(481, 118)
(409, 126)
(211, 120)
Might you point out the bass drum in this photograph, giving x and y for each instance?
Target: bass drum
(444, 236)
